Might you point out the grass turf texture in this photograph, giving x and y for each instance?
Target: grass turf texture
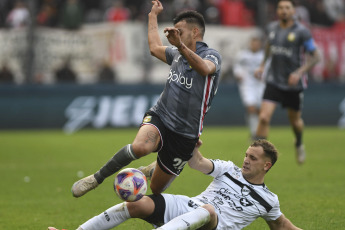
(38, 169)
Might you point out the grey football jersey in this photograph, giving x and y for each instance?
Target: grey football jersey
(287, 47)
(187, 95)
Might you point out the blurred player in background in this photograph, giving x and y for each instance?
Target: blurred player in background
(251, 89)
(286, 73)
(234, 199)
(171, 127)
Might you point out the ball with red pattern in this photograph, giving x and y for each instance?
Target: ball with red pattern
(130, 184)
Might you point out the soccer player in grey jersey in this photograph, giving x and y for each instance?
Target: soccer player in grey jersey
(172, 127)
(286, 73)
(234, 199)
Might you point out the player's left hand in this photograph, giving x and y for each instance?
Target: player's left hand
(294, 78)
(173, 36)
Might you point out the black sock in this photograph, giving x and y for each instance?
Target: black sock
(122, 158)
(298, 138)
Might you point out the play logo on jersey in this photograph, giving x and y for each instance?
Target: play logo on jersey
(147, 119)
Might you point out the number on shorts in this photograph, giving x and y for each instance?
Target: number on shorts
(179, 164)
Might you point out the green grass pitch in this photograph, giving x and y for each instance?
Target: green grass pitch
(38, 169)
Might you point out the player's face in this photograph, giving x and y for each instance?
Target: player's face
(186, 32)
(285, 11)
(255, 44)
(255, 165)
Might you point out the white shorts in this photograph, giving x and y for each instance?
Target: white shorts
(176, 205)
(251, 95)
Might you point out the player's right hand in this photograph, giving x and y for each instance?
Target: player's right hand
(258, 73)
(157, 7)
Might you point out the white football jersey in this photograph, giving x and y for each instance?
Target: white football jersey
(237, 202)
(245, 65)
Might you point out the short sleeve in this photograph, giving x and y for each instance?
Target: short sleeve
(308, 41)
(170, 53)
(220, 167)
(274, 213)
(213, 56)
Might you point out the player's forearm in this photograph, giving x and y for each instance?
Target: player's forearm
(153, 36)
(266, 55)
(311, 61)
(195, 61)
(200, 163)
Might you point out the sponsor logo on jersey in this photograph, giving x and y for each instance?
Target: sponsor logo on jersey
(147, 119)
(272, 35)
(279, 50)
(178, 58)
(179, 78)
(245, 191)
(291, 37)
(245, 202)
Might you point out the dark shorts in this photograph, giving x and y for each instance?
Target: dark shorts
(175, 150)
(157, 217)
(287, 98)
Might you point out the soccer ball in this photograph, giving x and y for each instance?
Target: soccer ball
(130, 184)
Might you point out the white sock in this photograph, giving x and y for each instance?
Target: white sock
(108, 219)
(190, 220)
(253, 120)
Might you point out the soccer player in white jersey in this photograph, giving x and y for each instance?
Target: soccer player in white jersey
(234, 199)
(173, 125)
(251, 88)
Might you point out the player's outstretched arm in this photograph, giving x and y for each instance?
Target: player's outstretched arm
(199, 162)
(155, 43)
(282, 223)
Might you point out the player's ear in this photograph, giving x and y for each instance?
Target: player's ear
(267, 165)
(196, 32)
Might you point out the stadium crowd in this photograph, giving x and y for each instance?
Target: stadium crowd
(71, 15)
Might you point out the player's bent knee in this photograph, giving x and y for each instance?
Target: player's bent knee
(141, 150)
(141, 208)
(213, 217)
(210, 209)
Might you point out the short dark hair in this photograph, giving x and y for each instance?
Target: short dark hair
(292, 2)
(191, 17)
(269, 149)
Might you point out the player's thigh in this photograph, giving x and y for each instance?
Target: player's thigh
(267, 109)
(177, 205)
(146, 141)
(160, 180)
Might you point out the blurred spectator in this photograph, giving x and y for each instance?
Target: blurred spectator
(117, 12)
(335, 9)
(6, 76)
(47, 15)
(93, 11)
(106, 74)
(235, 13)
(318, 13)
(210, 10)
(19, 16)
(5, 7)
(302, 13)
(182, 5)
(139, 8)
(65, 74)
(71, 15)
